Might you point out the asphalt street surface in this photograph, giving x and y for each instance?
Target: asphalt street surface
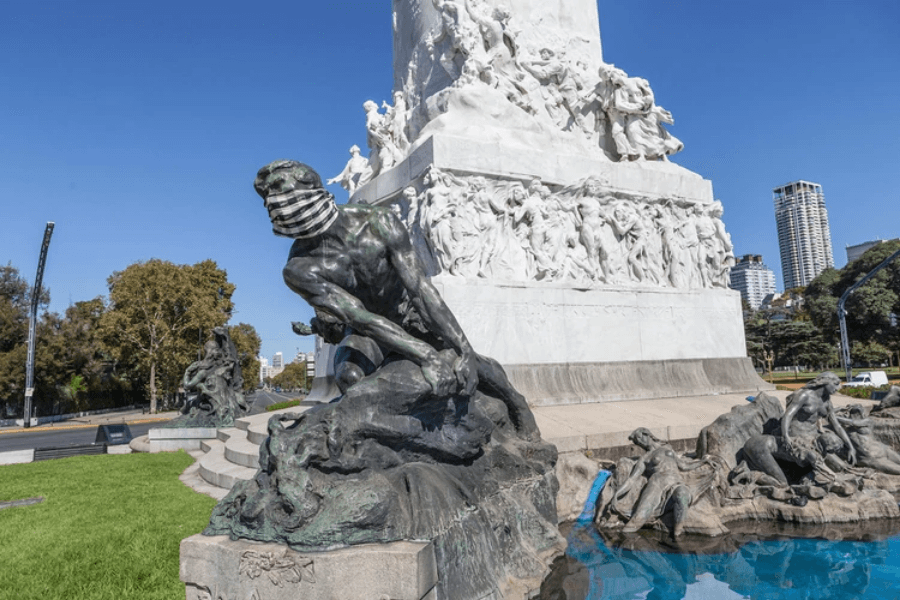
(84, 430)
(63, 434)
(262, 399)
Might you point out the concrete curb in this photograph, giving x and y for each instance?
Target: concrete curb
(16, 457)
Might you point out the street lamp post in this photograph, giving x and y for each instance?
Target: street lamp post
(32, 323)
(770, 360)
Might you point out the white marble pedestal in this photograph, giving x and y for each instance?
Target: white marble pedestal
(562, 345)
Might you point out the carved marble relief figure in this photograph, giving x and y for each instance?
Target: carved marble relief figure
(485, 227)
(477, 48)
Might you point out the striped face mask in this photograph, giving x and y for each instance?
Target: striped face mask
(301, 214)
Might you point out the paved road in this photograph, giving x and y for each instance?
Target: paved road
(63, 434)
(68, 433)
(262, 399)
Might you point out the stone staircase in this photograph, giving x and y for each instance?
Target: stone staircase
(232, 457)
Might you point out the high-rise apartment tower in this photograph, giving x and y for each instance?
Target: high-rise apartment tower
(804, 237)
(753, 279)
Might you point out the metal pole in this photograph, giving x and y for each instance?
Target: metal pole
(32, 324)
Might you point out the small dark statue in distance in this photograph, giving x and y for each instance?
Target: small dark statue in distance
(219, 384)
(428, 441)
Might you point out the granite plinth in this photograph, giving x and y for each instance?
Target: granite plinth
(223, 569)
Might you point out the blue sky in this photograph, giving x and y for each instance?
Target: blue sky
(138, 127)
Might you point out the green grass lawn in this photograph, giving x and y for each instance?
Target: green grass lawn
(109, 527)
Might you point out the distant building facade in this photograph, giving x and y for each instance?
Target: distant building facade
(752, 279)
(804, 237)
(263, 368)
(854, 252)
(266, 370)
(310, 359)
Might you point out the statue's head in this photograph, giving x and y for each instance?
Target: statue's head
(827, 380)
(354, 150)
(298, 205)
(210, 349)
(517, 192)
(644, 438)
(410, 193)
(592, 186)
(370, 105)
(547, 54)
(537, 188)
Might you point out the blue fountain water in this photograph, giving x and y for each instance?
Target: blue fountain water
(788, 568)
(785, 568)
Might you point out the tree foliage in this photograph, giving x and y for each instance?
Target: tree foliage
(293, 376)
(792, 339)
(247, 342)
(15, 304)
(871, 308)
(158, 314)
(101, 354)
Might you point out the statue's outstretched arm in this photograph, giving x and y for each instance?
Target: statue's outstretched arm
(839, 429)
(333, 300)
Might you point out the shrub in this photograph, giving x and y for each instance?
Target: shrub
(864, 393)
(280, 405)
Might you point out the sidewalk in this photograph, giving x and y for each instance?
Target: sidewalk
(607, 425)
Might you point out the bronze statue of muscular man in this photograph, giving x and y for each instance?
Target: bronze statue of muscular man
(401, 345)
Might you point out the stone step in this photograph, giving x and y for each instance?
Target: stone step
(221, 472)
(258, 431)
(226, 432)
(191, 478)
(241, 451)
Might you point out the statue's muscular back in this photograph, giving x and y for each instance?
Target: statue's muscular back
(355, 255)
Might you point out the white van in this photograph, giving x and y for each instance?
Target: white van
(868, 379)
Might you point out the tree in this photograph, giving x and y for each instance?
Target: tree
(158, 313)
(77, 347)
(790, 336)
(870, 308)
(293, 376)
(247, 342)
(15, 303)
(75, 387)
(871, 353)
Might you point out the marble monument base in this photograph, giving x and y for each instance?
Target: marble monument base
(511, 156)
(170, 439)
(217, 568)
(580, 383)
(562, 345)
